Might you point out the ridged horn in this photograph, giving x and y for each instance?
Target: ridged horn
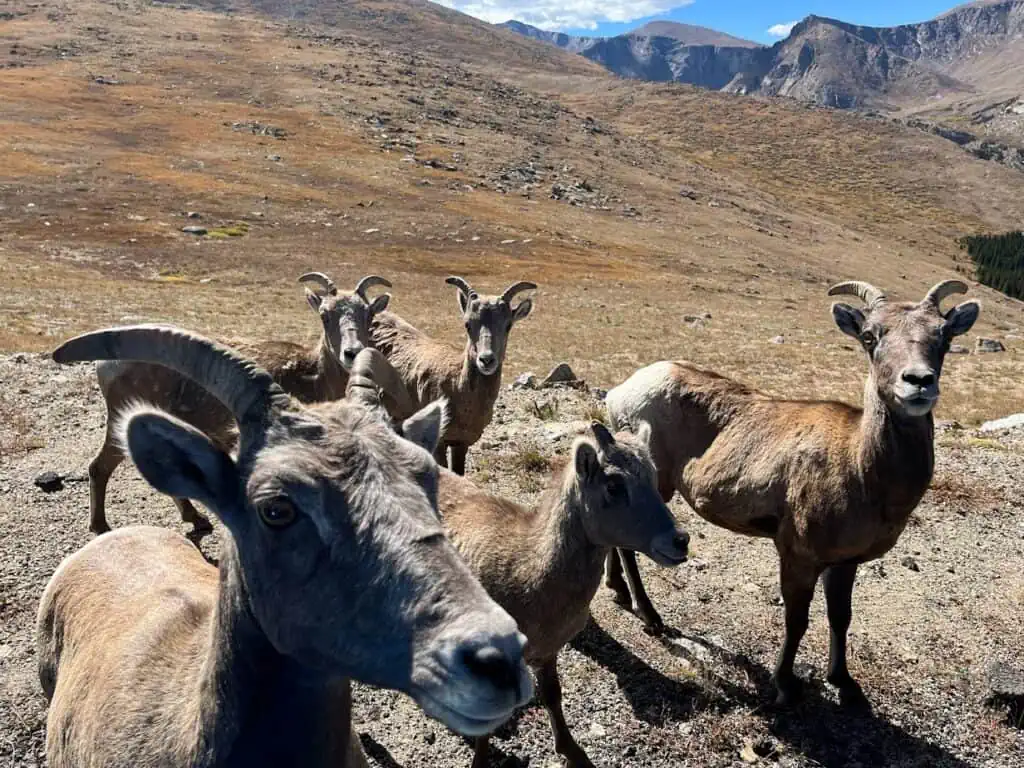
(243, 387)
(941, 290)
(515, 288)
(461, 284)
(373, 375)
(320, 279)
(866, 292)
(369, 282)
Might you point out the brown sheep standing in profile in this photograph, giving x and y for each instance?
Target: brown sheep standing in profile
(831, 484)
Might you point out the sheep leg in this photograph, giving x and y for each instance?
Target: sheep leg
(189, 514)
(797, 580)
(550, 690)
(614, 581)
(838, 583)
(644, 607)
(458, 465)
(482, 748)
(100, 469)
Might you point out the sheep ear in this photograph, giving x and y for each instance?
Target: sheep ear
(522, 310)
(588, 464)
(643, 434)
(961, 318)
(849, 319)
(179, 460)
(314, 300)
(380, 303)
(426, 427)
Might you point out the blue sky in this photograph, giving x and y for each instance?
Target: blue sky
(751, 19)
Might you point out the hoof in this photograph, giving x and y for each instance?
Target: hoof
(623, 601)
(654, 628)
(851, 697)
(788, 693)
(99, 530)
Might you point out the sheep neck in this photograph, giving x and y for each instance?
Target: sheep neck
(333, 378)
(896, 453)
(257, 707)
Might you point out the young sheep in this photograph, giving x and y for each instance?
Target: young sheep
(469, 378)
(833, 485)
(544, 565)
(310, 374)
(334, 567)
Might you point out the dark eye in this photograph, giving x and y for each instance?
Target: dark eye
(278, 513)
(868, 339)
(617, 488)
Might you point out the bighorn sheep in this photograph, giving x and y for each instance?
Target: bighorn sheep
(471, 378)
(833, 485)
(311, 375)
(544, 565)
(334, 567)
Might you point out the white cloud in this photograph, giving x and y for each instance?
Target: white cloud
(782, 30)
(563, 14)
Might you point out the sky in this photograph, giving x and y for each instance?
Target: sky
(765, 22)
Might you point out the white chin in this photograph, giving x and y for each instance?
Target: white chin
(917, 407)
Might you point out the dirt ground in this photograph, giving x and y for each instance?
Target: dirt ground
(930, 617)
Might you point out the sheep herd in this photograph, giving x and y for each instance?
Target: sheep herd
(351, 552)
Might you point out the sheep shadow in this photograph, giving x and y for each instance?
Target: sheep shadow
(819, 728)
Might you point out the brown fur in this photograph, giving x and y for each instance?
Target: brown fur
(831, 484)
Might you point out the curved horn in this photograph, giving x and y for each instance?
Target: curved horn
(320, 279)
(605, 439)
(371, 370)
(243, 387)
(461, 284)
(515, 288)
(944, 289)
(865, 291)
(368, 282)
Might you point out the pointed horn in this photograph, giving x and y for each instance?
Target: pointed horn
(244, 388)
(605, 439)
(944, 289)
(866, 292)
(371, 369)
(320, 279)
(369, 282)
(461, 284)
(515, 288)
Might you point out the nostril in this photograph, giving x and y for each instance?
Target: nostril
(350, 354)
(682, 541)
(919, 378)
(491, 664)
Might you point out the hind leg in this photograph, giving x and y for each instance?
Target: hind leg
(100, 469)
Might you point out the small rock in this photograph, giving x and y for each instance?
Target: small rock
(194, 230)
(989, 345)
(560, 374)
(49, 482)
(525, 381)
(597, 731)
(910, 564)
(765, 747)
(688, 192)
(748, 755)
(274, 158)
(698, 565)
(958, 349)
(780, 339)
(599, 393)
(430, 737)
(193, 215)
(371, 230)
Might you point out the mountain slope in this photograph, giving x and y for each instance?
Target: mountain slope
(973, 52)
(690, 34)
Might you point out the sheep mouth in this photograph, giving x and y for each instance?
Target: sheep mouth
(466, 723)
(668, 559)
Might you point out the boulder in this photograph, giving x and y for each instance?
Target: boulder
(560, 374)
(1016, 421)
(989, 345)
(49, 482)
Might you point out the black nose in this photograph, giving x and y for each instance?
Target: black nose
(919, 377)
(682, 541)
(486, 358)
(491, 664)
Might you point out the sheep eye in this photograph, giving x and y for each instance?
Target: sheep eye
(868, 339)
(278, 513)
(617, 488)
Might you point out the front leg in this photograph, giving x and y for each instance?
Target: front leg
(838, 582)
(458, 465)
(614, 581)
(644, 607)
(550, 690)
(480, 752)
(797, 580)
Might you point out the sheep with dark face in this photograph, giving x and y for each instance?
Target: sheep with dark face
(315, 374)
(831, 484)
(470, 378)
(334, 567)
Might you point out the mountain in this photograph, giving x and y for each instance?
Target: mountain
(689, 34)
(973, 52)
